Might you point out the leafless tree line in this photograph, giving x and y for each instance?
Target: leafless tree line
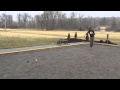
(57, 20)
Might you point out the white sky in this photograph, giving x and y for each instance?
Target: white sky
(85, 13)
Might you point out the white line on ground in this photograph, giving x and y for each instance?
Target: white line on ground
(2, 53)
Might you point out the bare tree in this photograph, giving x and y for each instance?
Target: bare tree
(72, 21)
(37, 19)
(9, 21)
(80, 18)
(114, 24)
(53, 20)
(25, 18)
(19, 19)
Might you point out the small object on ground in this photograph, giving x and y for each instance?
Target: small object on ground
(36, 60)
(27, 61)
(64, 41)
(101, 41)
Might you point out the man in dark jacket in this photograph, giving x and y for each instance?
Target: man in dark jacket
(91, 33)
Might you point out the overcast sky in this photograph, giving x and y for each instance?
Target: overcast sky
(85, 13)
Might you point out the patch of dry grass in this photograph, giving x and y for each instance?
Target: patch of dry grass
(37, 37)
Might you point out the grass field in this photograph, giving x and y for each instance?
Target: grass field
(13, 38)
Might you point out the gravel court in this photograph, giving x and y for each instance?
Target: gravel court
(75, 62)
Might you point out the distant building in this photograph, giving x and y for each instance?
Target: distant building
(103, 28)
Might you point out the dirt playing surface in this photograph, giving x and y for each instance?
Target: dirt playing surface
(75, 62)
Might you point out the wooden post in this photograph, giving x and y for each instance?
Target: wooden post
(107, 38)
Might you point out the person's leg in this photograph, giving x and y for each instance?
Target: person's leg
(93, 40)
(90, 41)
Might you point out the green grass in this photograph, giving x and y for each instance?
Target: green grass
(15, 42)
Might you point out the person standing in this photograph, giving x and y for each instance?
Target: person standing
(91, 33)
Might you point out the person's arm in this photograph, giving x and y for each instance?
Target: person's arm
(94, 32)
(87, 32)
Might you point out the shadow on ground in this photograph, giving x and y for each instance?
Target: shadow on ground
(73, 40)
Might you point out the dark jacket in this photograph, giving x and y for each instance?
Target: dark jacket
(91, 33)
